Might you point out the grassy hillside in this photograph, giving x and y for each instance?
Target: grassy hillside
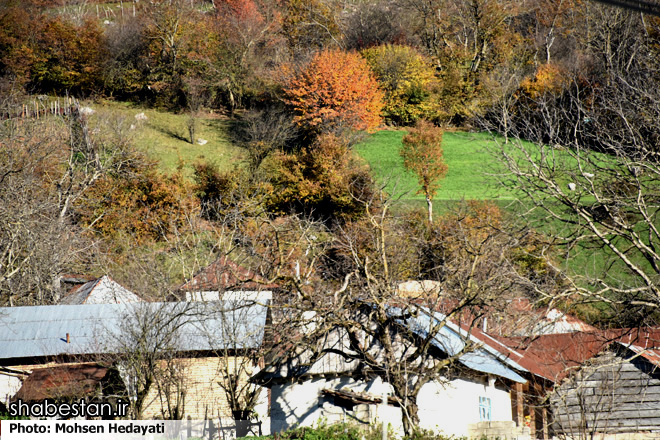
(472, 175)
(471, 172)
(164, 137)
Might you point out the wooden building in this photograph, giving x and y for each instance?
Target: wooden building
(588, 384)
(615, 393)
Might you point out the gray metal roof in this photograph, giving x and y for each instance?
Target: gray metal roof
(41, 331)
(103, 290)
(452, 340)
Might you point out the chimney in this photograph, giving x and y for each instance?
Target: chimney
(68, 340)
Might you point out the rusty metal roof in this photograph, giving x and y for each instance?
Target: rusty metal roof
(555, 356)
(41, 331)
(69, 381)
(225, 274)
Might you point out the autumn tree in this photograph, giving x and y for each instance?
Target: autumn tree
(406, 77)
(249, 43)
(466, 40)
(335, 91)
(50, 53)
(422, 154)
(143, 203)
(321, 180)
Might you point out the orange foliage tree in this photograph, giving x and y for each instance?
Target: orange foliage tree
(336, 90)
(422, 154)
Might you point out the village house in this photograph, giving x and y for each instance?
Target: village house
(87, 347)
(471, 399)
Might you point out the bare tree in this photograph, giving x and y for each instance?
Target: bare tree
(148, 343)
(263, 132)
(195, 100)
(241, 355)
(36, 245)
(365, 322)
(592, 168)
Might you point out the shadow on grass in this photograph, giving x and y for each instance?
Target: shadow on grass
(227, 127)
(171, 133)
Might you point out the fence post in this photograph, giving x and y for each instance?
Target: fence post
(384, 421)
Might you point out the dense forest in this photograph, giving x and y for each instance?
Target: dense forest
(569, 88)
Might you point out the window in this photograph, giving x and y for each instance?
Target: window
(484, 409)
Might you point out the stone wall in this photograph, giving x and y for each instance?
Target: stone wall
(498, 430)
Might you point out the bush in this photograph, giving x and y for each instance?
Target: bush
(323, 181)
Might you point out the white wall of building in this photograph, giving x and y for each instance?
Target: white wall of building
(9, 386)
(447, 407)
(450, 407)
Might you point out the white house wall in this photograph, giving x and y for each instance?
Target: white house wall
(448, 407)
(9, 386)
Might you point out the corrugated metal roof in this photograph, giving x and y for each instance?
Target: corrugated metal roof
(225, 274)
(103, 290)
(555, 356)
(41, 331)
(453, 340)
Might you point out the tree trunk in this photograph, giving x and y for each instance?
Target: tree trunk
(430, 205)
(410, 416)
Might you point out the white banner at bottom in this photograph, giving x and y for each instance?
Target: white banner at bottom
(105, 429)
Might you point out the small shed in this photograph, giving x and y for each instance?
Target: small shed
(616, 392)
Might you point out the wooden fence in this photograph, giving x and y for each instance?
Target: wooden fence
(39, 108)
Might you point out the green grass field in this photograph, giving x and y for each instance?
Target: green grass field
(163, 136)
(473, 174)
(472, 169)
